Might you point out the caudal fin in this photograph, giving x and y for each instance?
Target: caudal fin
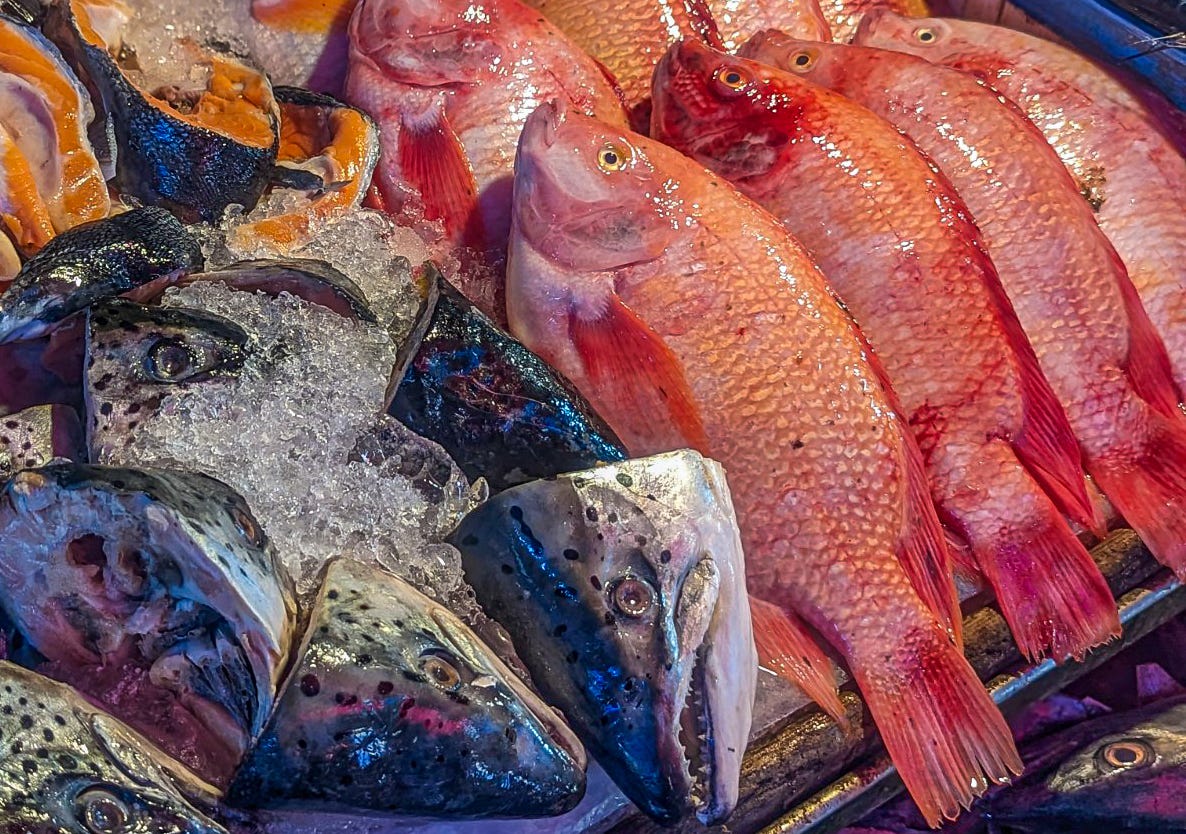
(1146, 482)
(786, 648)
(942, 730)
(1049, 589)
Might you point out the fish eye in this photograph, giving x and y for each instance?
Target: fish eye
(731, 79)
(247, 526)
(632, 597)
(169, 360)
(925, 35)
(102, 812)
(802, 61)
(441, 668)
(613, 158)
(1129, 754)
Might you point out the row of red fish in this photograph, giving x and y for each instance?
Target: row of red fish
(999, 216)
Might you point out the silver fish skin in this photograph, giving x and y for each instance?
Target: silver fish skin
(159, 579)
(69, 768)
(395, 706)
(623, 590)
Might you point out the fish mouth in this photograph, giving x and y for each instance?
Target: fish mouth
(696, 738)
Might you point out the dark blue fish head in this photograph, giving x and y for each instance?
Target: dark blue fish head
(623, 590)
(1124, 772)
(394, 706)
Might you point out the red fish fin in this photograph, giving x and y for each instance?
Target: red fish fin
(786, 648)
(309, 16)
(922, 550)
(637, 379)
(1046, 445)
(942, 730)
(704, 24)
(433, 161)
(1148, 486)
(613, 82)
(1049, 590)
(1148, 365)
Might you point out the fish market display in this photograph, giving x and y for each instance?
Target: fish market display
(49, 176)
(1091, 325)
(624, 588)
(72, 769)
(156, 593)
(671, 321)
(450, 91)
(910, 266)
(495, 406)
(394, 706)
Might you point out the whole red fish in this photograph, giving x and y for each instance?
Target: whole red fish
(450, 84)
(1093, 338)
(900, 249)
(690, 317)
(630, 37)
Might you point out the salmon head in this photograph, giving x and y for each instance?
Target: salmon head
(751, 111)
(427, 43)
(623, 589)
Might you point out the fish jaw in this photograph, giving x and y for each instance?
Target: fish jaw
(622, 589)
(386, 673)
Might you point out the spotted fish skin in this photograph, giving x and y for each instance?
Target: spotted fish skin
(499, 410)
(94, 261)
(156, 592)
(66, 763)
(394, 706)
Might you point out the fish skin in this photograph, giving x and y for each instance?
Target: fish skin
(36, 435)
(496, 407)
(193, 593)
(1097, 329)
(630, 38)
(450, 105)
(1088, 116)
(549, 559)
(91, 761)
(124, 341)
(93, 261)
(844, 16)
(1071, 787)
(450, 731)
(901, 250)
(744, 343)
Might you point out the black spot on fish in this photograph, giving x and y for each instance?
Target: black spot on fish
(385, 688)
(591, 513)
(624, 479)
(29, 765)
(310, 685)
(27, 722)
(105, 409)
(333, 594)
(560, 629)
(517, 513)
(48, 734)
(665, 556)
(571, 554)
(507, 569)
(595, 582)
(364, 659)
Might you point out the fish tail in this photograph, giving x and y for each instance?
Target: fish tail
(1146, 482)
(942, 730)
(1049, 589)
(786, 648)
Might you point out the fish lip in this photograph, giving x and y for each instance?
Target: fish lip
(699, 763)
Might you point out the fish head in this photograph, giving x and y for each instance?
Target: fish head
(933, 38)
(72, 769)
(623, 590)
(395, 704)
(136, 356)
(730, 114)
(821, 63)
(587, 196)
(1122, 772)
(427, 43)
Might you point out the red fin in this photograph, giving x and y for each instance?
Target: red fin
(942, 730)
(704, 24)
(1148, 365)
(1146, 482)
(434, 163)
(1049, 590)
(786, 648)
(638, 380)
(1046, 445)
(922, 550)
(612, 80)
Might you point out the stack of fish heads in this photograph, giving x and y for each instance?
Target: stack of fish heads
(70, 768)
(499, 410)
(1118, 772)
(395, 706)
(623, 590)
(194, 151)
(155, 592)
(50, 179)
